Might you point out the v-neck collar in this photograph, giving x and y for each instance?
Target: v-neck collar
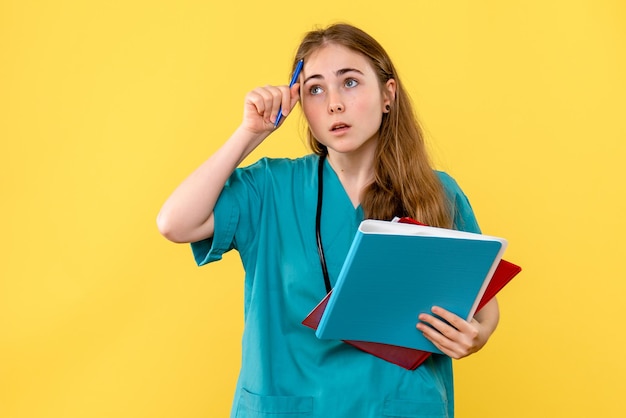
(339, 192)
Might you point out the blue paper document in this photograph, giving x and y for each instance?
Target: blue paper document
(395, 271)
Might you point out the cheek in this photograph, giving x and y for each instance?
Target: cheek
(312, 113)
(371, 108)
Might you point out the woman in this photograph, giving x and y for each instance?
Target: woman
(369, 161)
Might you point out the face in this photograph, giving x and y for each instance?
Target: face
(342, 99)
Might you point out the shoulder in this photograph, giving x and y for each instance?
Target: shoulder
(273, 168)
(282, 165)
(451, 187)
(448, 182)
(463, 214)
(268, 175)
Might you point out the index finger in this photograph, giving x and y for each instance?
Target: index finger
(453, 319)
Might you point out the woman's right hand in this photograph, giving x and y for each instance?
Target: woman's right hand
(187, 215)
(262, 104)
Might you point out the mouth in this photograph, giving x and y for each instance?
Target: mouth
(339, 126)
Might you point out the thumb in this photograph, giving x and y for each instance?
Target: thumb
(295, 95)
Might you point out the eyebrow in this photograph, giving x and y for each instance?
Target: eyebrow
(338, 73)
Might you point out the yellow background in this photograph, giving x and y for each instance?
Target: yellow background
(106, 105)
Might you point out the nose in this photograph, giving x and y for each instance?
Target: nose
(335, 101)
(335, 108)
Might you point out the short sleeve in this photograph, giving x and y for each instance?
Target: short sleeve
(235, 214)
(226, 215)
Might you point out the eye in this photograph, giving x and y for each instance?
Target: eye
(350, 83)
(315, 90)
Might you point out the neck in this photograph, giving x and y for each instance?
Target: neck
(355, 172)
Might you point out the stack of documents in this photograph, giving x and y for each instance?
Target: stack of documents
(395, 271)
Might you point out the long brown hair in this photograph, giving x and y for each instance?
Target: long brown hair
(404, 181)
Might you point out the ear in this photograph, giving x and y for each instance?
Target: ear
(389, 94)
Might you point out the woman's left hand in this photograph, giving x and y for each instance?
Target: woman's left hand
(459, 338)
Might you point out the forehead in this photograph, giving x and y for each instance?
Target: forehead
(329, 58)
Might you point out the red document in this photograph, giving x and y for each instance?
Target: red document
(407, 357)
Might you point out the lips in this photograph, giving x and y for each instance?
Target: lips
(339, 126)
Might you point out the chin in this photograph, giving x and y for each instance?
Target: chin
(347, 146)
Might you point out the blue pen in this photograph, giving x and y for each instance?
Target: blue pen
(294, 78)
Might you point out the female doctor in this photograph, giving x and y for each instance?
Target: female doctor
(368, 161)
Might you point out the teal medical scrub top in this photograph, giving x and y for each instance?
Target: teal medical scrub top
(267, 213)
